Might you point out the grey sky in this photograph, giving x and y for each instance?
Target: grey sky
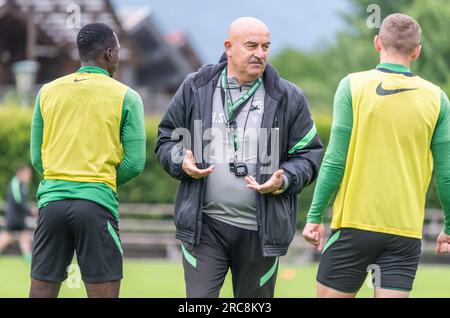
(296, 23)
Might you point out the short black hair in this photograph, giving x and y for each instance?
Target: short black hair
(93, 39)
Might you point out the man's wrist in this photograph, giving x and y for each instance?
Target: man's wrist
(284, 182)
(314, 219)
(283, 186)
(447, 231)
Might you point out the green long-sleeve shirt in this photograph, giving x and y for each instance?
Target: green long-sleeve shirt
(132, 136)
(333, 166)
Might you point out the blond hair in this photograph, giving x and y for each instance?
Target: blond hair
(401, 33)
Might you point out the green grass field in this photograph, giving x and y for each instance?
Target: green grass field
(148, 278)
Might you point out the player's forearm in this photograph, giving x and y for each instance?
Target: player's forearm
(441, 156)
(37, 127)
(133, 163)
(333, 166)
(440, 148)
(133, 138)
(330, 175)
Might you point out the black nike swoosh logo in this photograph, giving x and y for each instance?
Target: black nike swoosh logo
(385, 92)
(80, 80)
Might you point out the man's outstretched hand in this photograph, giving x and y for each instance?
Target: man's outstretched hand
(271, 185)
(191, 169)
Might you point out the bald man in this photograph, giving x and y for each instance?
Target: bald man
(243, 144)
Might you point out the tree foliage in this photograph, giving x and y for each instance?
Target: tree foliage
(318, 72)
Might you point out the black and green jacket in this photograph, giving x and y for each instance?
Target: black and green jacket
(300, 148)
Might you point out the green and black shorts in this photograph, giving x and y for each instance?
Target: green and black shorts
(351, 253)
(79, 226)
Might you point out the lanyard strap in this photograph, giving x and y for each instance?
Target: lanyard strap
(233, 136)
(233, 107)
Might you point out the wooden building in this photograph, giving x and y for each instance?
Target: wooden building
(45, 31)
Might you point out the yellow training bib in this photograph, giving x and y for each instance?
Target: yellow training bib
(82, 114)
(389, 163)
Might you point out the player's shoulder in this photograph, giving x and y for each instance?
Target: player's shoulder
(132, 96)
(116, 82)
(362, 75)
(114, 86)
(109, 85)
(57, 81)
(358, 80)
(428, 85)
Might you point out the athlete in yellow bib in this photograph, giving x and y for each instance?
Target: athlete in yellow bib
(87, 139)
(389, 128)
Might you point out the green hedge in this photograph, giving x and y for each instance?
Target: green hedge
(152, 186)
(14, 144)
